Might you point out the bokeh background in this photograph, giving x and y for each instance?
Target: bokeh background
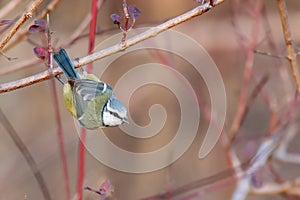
(30, 109)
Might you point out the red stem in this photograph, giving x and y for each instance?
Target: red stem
(60, 140)
(81, 163)
(81, 160)
(93, 25)
(125, 10)
(242, 104)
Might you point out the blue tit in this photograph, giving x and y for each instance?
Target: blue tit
(91, 101)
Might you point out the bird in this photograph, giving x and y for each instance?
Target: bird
(91, 101)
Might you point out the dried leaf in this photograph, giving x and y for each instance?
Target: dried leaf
(40, 52)
(40, 22)
(6, 21)
(105, 187)
(39, 26)
(134, 12)
(116, 18)
(34, 29)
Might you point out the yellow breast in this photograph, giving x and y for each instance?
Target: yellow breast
(68, 97)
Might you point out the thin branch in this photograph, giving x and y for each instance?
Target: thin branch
(242, 104)
(26, 15)
(5, 87)
(270, 54)
(292, 54)
(76, 34)
(288, 187)
(253, 96)
(59, 128)
(81, 155)
(67, 43)
(24, 32)
(50, 7)
(9, 7)
(20, 65)
(26, 153)
(261, 157)
(211, 180)
(282, 153)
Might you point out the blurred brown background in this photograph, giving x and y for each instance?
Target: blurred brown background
(30, 109)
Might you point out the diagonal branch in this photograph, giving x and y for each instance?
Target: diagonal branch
(26, 15)
(24, 32)
(248, 71)
(292, 55)
(9, 7)
(20, 65)
(26, 153)
(5, 87)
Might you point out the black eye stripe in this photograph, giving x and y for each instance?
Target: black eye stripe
(111, 112)
(115, 114)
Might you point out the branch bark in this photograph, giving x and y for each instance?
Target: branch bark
(6, 87)
(26, 154)
(9, 7)
(292, 55)
(24, 32)
(26, 15)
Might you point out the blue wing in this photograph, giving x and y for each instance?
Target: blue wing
(86, 91)
(65, 63)
(89, 99)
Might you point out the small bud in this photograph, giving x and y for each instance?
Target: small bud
(39, 52)
(134, 12)
(116, 18)
(39, 26)
(6, 21)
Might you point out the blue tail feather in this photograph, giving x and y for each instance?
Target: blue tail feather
(65, 63)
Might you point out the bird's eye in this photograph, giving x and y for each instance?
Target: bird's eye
(115, 114)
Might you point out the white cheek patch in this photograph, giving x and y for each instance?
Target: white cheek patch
(111, 120)
(115, 106)
(114, 112)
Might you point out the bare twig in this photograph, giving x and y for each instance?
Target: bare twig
(20, 65)
(261, 157)
(292, 55)
(253, 95)
(247, 73)
(9, 7)
(282, 153)
(226, 174)
(270, 54)
(81, 154)
(111, 50)
(80, 28)
(24, 32)
(26, 15)
(288, 187)
(279, 64)
(50, 7)
(26, 153)
(58, 120)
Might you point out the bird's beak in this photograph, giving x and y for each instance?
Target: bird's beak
(125, 119)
